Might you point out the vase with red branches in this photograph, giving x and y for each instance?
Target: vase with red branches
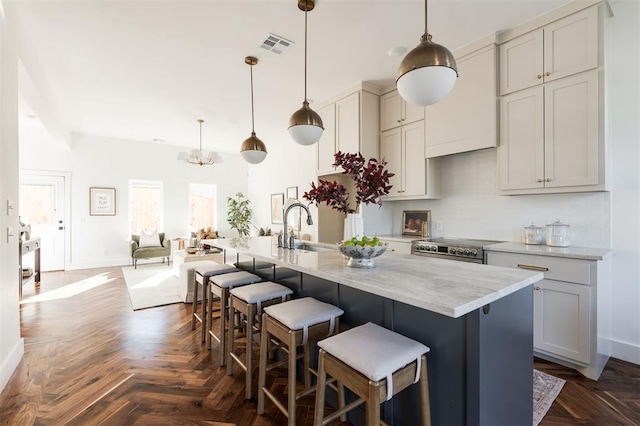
(370, 178)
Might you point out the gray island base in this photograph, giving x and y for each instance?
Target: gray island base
(477, 320)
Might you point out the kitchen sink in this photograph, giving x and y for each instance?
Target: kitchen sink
(308, 246)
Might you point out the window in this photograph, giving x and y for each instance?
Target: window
(202, 207)
(145, 206)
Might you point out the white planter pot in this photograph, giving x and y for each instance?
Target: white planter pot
(353, 226)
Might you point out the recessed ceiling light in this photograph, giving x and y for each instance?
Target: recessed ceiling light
(396, 51)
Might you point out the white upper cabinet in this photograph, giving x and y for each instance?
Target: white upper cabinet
(414, 177)
(351, 123)
(327, 142)
(465, 120)
(395, 111)
(551, 118)
(565, 47)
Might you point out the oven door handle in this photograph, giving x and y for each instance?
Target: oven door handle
(532, 267)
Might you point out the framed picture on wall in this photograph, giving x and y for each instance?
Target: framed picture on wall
(414, 220)
(102, 201)
(292, 192)
(277, 201)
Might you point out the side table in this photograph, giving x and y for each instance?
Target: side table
(26, 247)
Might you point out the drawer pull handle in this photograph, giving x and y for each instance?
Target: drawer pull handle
(532, 267)
(536, 288)
(539, 76)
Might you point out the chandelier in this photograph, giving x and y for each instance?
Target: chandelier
(200, 157)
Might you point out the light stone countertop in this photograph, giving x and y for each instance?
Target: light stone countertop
(446, 287)
(543, 250)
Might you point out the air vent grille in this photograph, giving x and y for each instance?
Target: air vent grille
(276, 44)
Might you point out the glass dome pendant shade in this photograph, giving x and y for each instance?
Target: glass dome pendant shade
(305, 125)
(252, 150)
(427, 73)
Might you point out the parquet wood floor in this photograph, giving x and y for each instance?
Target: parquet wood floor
(90, 359)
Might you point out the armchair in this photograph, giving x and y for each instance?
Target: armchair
(163, 249)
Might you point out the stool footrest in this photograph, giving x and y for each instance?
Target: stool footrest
(343, 410)
(275, 401)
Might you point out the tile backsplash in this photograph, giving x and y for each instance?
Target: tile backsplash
(470, 208)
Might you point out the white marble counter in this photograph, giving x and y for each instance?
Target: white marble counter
(542, 250)
(447, 287)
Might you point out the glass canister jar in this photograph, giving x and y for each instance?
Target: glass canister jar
(533, 234)
(558, 234)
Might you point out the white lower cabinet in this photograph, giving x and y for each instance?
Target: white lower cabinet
(399, 247)
(571, 319)
(561, 319)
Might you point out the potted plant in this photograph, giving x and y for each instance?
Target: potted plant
(371, 181)
(239, 214)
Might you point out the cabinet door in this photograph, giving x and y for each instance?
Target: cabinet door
(521, 150)
(571, 131)
(390, 110)
(391, 151)
(411, 113)
(327, 142)
(521, 62)
(571, 45)
(413, 159)
(561, 319)
(399, 247)
(348, 124)
(472, 102)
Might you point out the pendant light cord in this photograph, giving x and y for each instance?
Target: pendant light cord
(200, 121)
(252, 124)
(305, 50)
(426, 22)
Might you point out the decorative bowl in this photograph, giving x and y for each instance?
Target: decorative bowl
(361, 256)
(191, 250)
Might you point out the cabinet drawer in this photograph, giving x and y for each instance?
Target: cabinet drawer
(554, 268)
(399, 247)
(27, 247)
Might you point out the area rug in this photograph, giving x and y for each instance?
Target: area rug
(151, 285)
(545, 390)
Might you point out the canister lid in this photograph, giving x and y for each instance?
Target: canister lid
(558, 224)
(533, 227)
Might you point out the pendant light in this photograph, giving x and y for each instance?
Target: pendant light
(428, 72)
(253, 150)
(305, 125)
(199, 157)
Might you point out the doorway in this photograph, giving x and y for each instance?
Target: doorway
(43, 206)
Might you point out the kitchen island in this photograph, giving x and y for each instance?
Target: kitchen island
(477, 320)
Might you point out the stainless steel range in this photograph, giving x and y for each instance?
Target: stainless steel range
(451, 248)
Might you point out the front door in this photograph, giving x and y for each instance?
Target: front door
(42, 207)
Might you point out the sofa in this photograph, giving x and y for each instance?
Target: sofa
(148, 248)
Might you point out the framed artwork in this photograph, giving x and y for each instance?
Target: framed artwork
(102, 201)
(413, 221)
(292, 192)
(277, 202)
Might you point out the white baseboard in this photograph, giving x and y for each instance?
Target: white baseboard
(625, 351)
(11, 362)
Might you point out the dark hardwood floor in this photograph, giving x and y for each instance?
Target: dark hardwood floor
(90, 359)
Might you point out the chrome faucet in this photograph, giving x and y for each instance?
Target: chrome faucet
(289, 205)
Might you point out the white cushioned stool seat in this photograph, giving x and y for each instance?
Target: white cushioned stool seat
(375, 351)
(300, 314)
(234, 279)
(260, 292)
(217, 269)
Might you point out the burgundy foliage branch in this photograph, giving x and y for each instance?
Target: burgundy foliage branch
(370, 177)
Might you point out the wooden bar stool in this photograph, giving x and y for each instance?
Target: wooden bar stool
(201, 278)
(294, 323)
(219, 287)
(375, 363)
(249, 301)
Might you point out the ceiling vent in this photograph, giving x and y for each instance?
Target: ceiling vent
(276, 44)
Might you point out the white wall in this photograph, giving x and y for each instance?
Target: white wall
(103, 162)
(623, 69)
(11, 344)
